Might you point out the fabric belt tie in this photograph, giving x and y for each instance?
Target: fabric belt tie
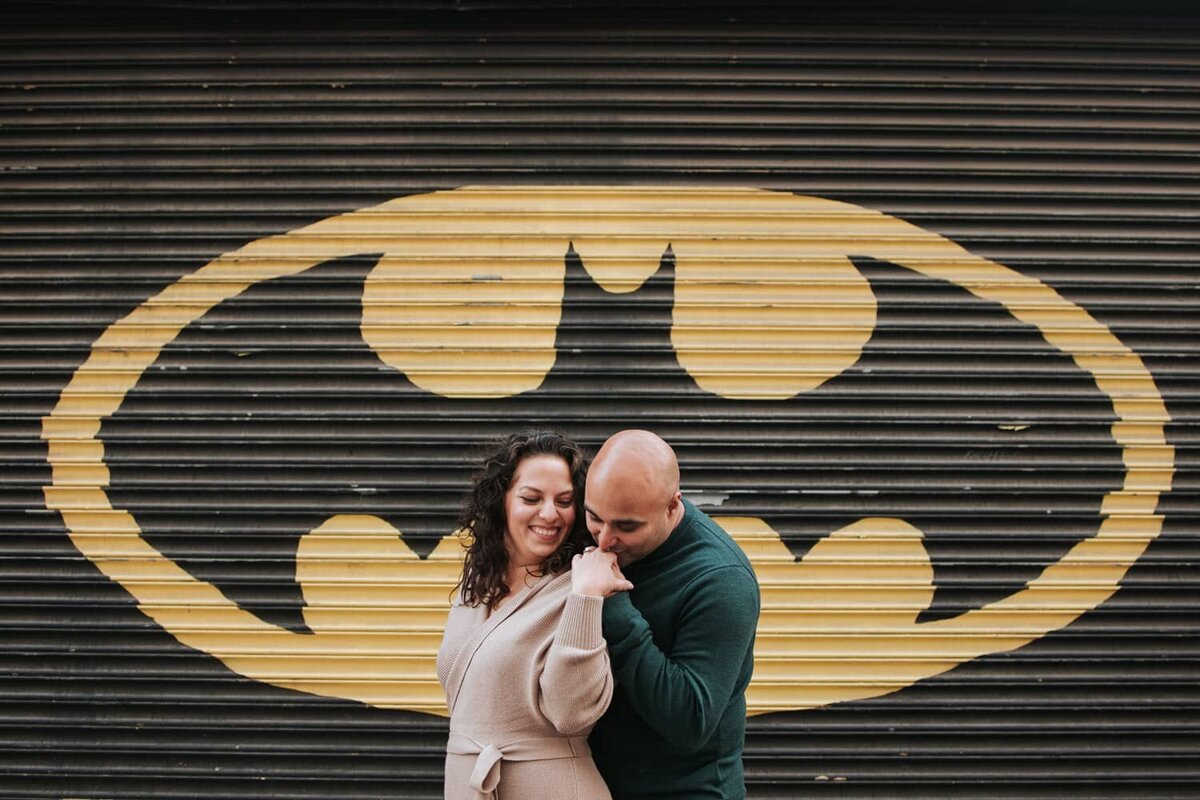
(486, 775)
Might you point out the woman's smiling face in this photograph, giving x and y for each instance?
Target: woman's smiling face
(540, 509)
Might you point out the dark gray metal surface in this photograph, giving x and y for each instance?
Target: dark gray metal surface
(135, 150)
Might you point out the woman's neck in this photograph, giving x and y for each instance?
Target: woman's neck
(518, 575)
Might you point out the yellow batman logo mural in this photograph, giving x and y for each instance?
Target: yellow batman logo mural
(466, 301)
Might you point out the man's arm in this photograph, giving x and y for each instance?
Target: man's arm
(682, 694)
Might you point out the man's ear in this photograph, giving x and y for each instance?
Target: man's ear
(675, 500)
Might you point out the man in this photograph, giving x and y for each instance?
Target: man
(681, 643)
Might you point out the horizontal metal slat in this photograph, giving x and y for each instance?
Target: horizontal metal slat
(1057, 147)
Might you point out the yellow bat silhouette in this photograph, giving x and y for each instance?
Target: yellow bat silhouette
(840, 624)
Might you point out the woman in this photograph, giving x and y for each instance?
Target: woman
(523, 661)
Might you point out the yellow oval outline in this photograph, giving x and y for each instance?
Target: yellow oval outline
(111, 538)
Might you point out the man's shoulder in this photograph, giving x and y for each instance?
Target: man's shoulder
(721, 569)
(719, 546)
(693, 515)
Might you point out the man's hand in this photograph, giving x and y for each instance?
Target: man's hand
(596, 573)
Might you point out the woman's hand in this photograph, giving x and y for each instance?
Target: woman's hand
(596, 573)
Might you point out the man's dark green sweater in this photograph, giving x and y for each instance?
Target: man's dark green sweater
(682, 651)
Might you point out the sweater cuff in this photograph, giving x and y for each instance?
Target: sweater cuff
(579, 626)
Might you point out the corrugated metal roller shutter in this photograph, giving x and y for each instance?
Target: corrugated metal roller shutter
(934, 273)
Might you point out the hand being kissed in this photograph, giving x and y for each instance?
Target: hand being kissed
(596, 573)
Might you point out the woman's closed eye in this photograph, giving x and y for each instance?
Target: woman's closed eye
(562, 502)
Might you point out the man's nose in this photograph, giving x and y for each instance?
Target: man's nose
(604, 538)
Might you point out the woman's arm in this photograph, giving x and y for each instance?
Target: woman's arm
(576, 682)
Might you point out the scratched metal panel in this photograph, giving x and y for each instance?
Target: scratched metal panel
(929, 270)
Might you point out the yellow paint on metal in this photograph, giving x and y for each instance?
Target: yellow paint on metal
(499, 281)
(466, 300)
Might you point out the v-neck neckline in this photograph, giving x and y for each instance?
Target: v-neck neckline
(516, 597)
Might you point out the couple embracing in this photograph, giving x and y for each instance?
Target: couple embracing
(601, 639)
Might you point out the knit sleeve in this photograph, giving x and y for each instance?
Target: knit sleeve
(683, 695)
(454, 634)
(576, 682)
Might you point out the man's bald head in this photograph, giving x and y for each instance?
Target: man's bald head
(639, 457)
(632, 498)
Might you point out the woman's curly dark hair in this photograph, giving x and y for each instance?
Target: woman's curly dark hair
(483, 523)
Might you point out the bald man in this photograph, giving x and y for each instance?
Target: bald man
(681, 642)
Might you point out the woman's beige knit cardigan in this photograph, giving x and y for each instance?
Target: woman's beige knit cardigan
(525, 684)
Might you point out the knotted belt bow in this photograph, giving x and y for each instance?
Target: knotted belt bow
(486, 775)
